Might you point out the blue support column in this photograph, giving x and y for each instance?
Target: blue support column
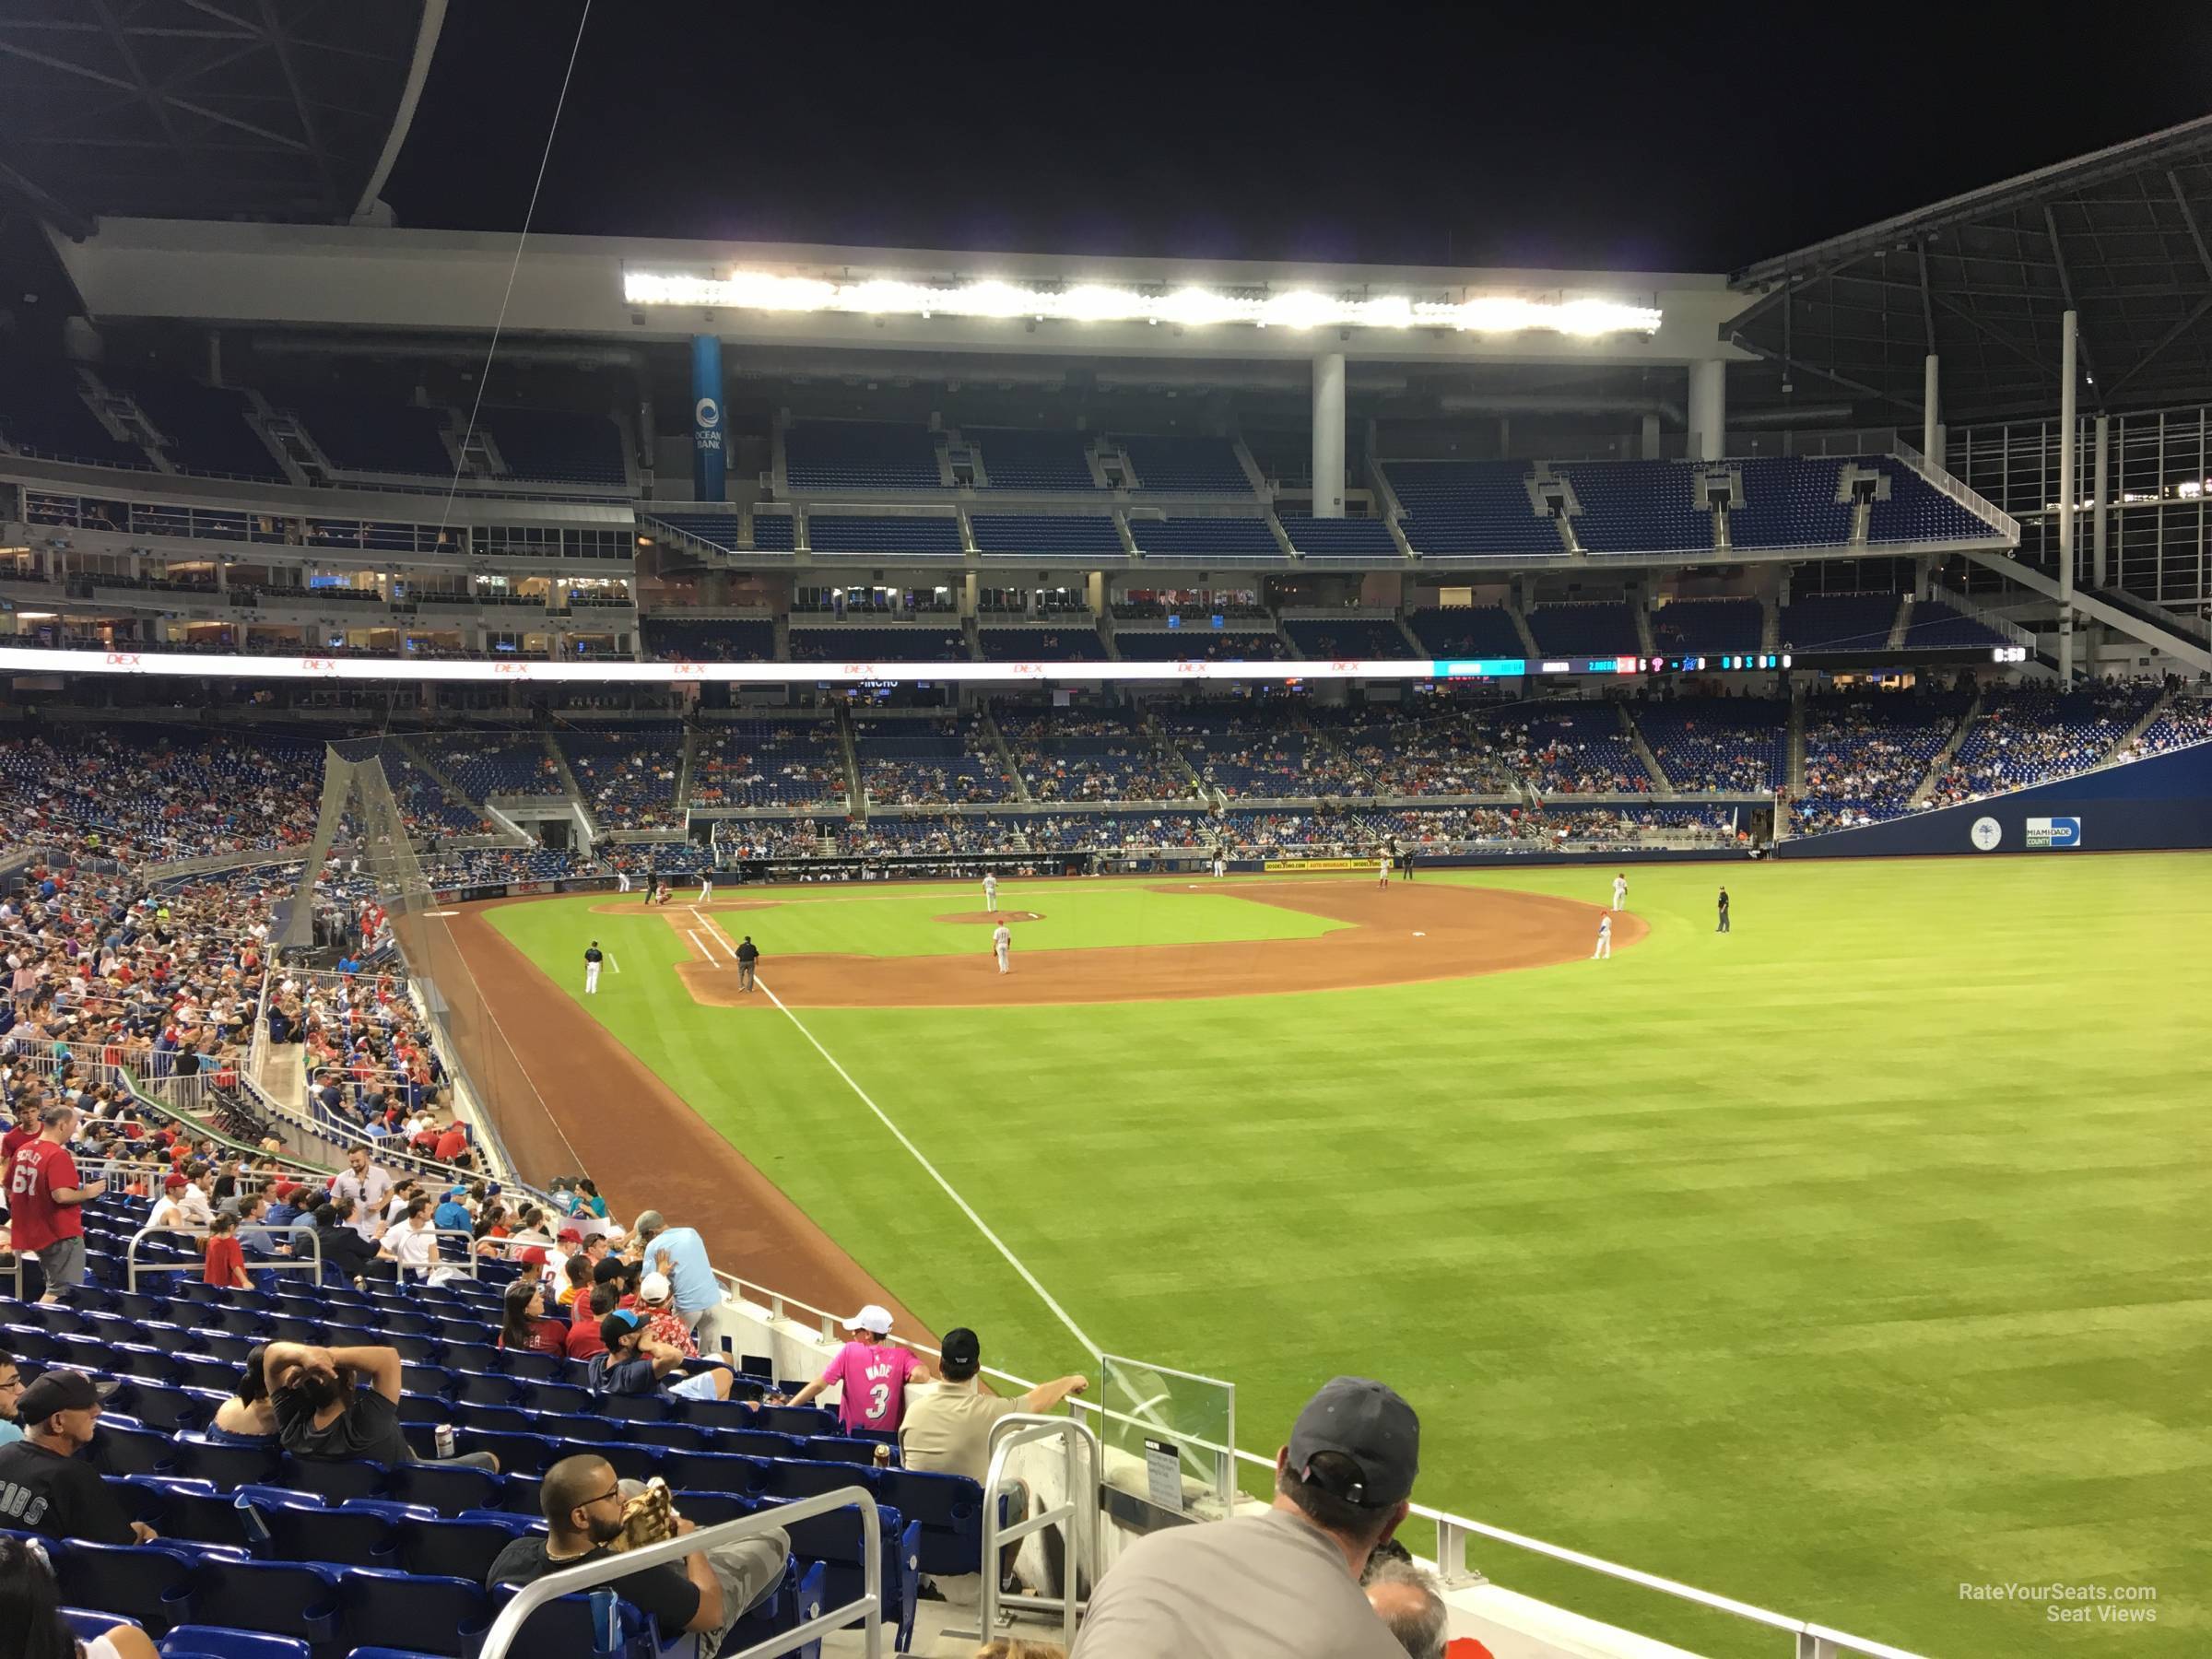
(709, 444)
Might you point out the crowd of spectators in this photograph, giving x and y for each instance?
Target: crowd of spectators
(1066, 755)
(767, 763)
(935, 763)
(2026, 734)
(147, 793)
(1716, 745)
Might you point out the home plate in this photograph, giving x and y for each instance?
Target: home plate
(1420, 935)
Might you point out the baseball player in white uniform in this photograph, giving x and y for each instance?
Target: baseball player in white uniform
(621, 881)
(1382, 869)
(1620, 892)
(1605, 938)
(1220, 865)
(591, 959)
(706, 889)
(990, 892)
(1001, 941)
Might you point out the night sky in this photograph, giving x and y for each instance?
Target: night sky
(1661, 137)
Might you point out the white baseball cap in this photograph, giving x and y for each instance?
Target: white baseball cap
(876, 1321)
(654, 1288)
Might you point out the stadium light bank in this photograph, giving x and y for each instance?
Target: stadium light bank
(1581, 316)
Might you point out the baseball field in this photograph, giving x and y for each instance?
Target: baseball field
(1840, 1264)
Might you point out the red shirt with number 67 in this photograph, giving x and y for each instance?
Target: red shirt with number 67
(36, 1219)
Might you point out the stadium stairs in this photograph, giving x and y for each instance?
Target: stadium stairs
(1520, 620)
(856, 797)
(1941, 763)
(2128, 738)
(438, 775)
(1660, 782)
(1793, 750)
(988, 725)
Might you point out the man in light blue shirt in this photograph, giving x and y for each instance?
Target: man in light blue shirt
(695, 1292)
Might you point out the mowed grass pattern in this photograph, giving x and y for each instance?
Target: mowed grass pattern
(1831, 1264)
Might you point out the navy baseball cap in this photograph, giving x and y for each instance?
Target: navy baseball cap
(618, 1324)
(1369, 1425)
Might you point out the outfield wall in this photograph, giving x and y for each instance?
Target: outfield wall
(2161, 804)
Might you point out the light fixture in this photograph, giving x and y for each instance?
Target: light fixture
(1190, 307)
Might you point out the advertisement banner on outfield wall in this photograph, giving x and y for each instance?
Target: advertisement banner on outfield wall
(1292, 866)
(2054, 834)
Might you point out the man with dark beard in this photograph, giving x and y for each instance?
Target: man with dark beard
(324, 1411)
(581, 1501)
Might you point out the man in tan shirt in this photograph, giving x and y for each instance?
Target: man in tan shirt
(947, 1426)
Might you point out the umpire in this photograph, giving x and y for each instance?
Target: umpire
(747, 954)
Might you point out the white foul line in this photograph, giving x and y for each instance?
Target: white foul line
(614, 961)
(704, 950)
(929, 1169)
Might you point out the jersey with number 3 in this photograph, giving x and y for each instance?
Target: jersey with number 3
(874, 1378)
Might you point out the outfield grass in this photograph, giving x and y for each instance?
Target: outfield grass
(1831, 1264)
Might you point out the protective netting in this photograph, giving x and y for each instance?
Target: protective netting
(362, 850)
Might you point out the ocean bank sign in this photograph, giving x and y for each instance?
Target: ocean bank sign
(2053, 834)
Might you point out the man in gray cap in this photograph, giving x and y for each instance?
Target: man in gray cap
(1285, 1584)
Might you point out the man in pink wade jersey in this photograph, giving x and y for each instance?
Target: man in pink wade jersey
(875, 1373)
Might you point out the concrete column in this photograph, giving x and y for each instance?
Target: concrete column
(1930, 431)
(2066, 487)
(1328, 434)
(1707, 408)
(2101, 506)
(1647, 440)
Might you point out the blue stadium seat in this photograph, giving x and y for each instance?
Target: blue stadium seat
(950, 1510)
(334, 1480)
(463, 1548)
(139, 1582)
(714, 1472)
(445, 1488)
(207, 1642)
(427, 1615)
(279, 1598)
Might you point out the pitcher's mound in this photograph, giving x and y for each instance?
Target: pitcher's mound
(991, 918)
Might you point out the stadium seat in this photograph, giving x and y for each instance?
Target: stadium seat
(422, 1613)
(207, 1642)
(139, 1582)
(277, 1599)
(445, 1488)
(462, 1548)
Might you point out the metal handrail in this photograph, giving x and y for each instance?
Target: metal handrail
(1076, 1520)
(131, 1264)
(1452, 1532)
(1967, 496)
(867, 1606)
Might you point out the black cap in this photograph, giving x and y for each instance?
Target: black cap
(611, 1268)
(61, 1391)
(960, 1348)
(1370, 1424)
(618, 1324)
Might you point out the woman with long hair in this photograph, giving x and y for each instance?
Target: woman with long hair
(523, 1326)
(32, 1626)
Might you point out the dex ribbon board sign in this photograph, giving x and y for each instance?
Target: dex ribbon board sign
(2053, 834)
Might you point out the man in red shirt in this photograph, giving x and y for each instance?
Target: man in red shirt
(26, 1130)
(45, 1199)
(451, 1144)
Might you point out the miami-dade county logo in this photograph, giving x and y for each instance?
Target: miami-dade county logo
(2053, 833)
(1987, 833)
